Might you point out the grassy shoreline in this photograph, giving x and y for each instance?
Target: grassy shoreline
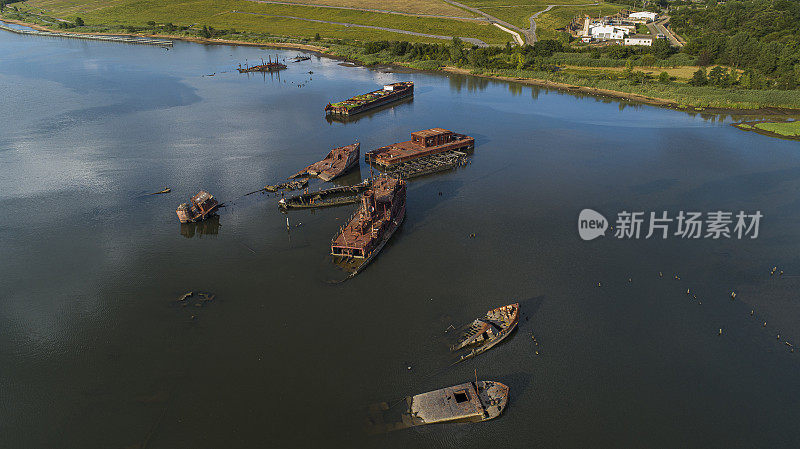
(680, 97)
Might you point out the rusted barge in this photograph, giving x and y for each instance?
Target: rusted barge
(201, 206)
(335, 196)
(370, 100)
(486, 332)
(427, 165)
(382, 210)
(269, 66)
(468, 402)
(423, 144)
(336, 163)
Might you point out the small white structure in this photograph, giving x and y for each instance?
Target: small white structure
(639, 39)
(644, 15)
(608, 32)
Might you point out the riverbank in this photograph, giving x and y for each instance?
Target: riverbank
(781, 129)
(674, 96)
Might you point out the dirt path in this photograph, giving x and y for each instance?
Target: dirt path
(492, 19)
(530, 33)
(471, 40)
(382, 11)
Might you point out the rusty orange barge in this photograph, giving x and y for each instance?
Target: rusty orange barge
(335, 164)
(423, 143)
(203, 205)
(370, 100)
(382, 210)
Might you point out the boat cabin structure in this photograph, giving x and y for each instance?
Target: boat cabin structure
(200, 207)
(425, 143)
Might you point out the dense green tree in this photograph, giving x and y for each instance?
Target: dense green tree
(699, 78)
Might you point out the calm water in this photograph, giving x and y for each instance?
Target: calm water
(96, 353)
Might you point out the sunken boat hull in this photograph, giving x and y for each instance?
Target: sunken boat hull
(379, 215)
(269, 66)
(338, 162)
(335, 196)
(486, 332)
(360, 103)
(201, 206)
(468, 402)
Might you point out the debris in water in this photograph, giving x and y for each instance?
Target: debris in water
(165, 190)
(203, 205)
(185, 295)
(733, 296)
(486, 332)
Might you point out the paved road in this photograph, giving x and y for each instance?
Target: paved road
(383, 11)
(471, 40)
(659, 27)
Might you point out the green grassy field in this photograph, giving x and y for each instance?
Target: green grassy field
(255, 17)
(787, 129)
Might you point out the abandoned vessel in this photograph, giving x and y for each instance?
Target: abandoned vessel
(201, 206)
(487, 331)
(468, 402)
(335, 164)
(335, 196)
(269, 66)
(364, 102)
(382, 210)
(423, 144)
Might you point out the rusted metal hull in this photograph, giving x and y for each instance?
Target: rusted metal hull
(366, 232)
(335, 196)
(487, 332)
(469, 402)
(428, 165)
(201, 206)
(404, 90)
(402, 152)
(337, 162)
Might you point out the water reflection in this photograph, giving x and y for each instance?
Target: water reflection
(471, 83)
(209, 226)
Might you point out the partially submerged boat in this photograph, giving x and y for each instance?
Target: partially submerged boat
(336, 163)
(467, 402)
(382, 210)
(335, 196)
(201, 206)
(360, 103)
(269, 66)
(486, 332)
(423, 144)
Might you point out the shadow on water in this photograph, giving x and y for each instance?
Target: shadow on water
(207, 227)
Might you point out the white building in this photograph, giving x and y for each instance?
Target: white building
(644, 15)
(639, 39)
(608, 32)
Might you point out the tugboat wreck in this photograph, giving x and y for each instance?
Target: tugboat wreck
(335, 164)
(423, 144)
(486, 332)
(370, 100)
(382, 210)
(203, 205)
(469, 402)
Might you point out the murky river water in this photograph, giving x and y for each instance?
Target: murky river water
(96, 353)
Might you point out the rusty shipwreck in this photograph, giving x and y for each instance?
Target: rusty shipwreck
(382, 210)
(360, 103)
(423, 145)
(269, 66)
(468, 402)
(335, 196)
(200, 207)
(486, 332)
(336, 163)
